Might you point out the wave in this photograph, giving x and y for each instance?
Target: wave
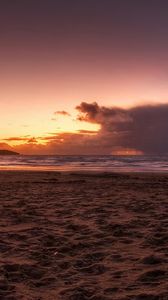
(91, 162)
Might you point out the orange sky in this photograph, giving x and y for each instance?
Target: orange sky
(30, 99)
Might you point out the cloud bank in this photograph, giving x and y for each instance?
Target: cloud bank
(137, 130)
(144, 128)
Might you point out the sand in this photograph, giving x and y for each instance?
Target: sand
(83, 236)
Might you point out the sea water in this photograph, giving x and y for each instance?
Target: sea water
(103, 163)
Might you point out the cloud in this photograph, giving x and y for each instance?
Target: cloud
(144, 128)
(137, 130)
(87, 131)
(27, 139)
(149, 129)
(92, 112)
(62, 112)
(32, 140)
(16, 139)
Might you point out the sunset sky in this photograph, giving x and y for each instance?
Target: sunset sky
(84, 77)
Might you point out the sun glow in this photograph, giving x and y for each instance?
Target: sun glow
(70, 124)
(42, 133)
(126, 152)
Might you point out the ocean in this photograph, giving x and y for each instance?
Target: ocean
(104, 163)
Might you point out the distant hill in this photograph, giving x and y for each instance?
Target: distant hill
(8, 152)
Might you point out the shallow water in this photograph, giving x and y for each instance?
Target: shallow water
(87, 162)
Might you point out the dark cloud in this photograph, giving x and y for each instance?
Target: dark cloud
(144, 128)
(105, 116)
(149, 128)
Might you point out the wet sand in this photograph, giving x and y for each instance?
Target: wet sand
(83, 236)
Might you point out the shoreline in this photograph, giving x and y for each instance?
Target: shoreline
(81, 170)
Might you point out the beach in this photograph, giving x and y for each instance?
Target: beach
(80, 236)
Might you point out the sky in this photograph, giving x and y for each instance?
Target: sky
(60, 60)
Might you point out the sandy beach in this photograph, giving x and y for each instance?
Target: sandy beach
(83, 236)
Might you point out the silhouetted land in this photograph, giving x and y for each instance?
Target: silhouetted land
(8, 152)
